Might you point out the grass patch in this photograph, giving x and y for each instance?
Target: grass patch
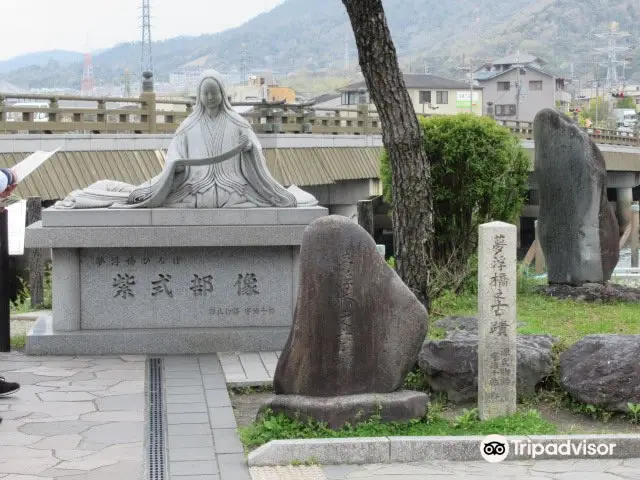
(22, 304)
(18, 342)
(279, 427)
(566, 319)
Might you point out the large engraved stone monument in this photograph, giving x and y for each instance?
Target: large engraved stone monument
(201, 258)
(356, 333)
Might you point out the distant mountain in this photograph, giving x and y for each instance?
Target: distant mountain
(40, 59)
(311, 35)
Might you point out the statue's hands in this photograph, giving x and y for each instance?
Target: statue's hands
(245, 142)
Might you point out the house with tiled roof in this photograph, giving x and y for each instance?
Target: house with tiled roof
(430, 95)
(519, 86)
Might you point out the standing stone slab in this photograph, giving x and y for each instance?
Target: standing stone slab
(356, 333)
(577, 225)
(357, 327)
(497, 324)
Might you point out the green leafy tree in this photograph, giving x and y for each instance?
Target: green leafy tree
(479, 173)
(596, 109)
(627, 102)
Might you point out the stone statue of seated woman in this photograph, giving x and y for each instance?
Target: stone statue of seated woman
(214, 161)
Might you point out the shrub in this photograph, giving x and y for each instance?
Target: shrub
(479, 174)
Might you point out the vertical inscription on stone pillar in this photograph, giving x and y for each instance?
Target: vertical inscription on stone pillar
(497, 320)
(346, 299)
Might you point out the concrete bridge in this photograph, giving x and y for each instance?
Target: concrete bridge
(339, 169)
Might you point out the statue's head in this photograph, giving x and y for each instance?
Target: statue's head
(211, 96)
(210, 93)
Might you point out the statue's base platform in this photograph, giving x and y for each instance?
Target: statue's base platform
(169, 281)
(44, 340)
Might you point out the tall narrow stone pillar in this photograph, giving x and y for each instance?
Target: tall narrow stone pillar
(497, 320)
(623, 207)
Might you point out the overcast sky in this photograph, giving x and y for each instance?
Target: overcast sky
(35, 25)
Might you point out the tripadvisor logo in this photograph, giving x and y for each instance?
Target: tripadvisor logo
(495, 448)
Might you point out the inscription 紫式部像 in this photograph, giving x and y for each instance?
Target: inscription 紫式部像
(194, 287)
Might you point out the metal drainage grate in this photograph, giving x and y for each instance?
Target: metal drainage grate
(156, 444)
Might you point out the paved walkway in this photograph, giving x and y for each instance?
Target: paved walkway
(84, 418)
(73, 418)
(202, 436)
(249, 369)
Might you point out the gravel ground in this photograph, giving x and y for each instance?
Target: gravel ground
(20, 327)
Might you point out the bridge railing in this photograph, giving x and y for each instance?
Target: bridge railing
(37, 113)
(524, 130)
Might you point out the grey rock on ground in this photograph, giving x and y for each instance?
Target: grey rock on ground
(357, 328)
(451, 365)
(603, 370)
(577, 226)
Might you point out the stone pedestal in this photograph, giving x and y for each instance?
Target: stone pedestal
(169, 281)
(337, 411)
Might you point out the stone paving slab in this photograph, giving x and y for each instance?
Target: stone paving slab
(440, 470)
(73, 418)
(249, 369)
(202, 431)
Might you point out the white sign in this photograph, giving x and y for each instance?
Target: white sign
(463, 96)
(33, 161)
(17, 213)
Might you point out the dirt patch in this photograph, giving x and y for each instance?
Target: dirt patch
(246, 408)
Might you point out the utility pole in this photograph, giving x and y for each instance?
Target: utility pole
(127, 83)
(346, 54)
(518, 86)
(470, 86)
(243, 64)
(464, 67)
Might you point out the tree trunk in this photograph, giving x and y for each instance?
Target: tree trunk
(402, 137)
(36, 264)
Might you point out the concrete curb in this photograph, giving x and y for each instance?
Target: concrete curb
(357, 451)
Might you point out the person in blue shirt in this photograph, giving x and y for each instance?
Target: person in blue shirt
(8, 183)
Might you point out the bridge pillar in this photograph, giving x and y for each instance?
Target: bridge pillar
(624, 199)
